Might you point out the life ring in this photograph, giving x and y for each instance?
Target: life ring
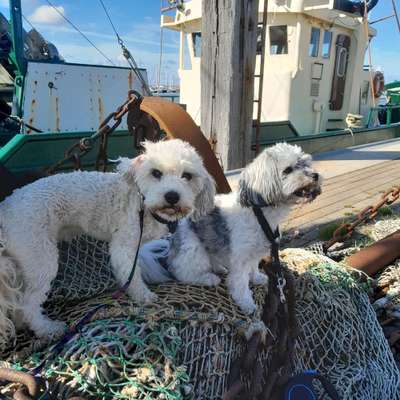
(379, 84)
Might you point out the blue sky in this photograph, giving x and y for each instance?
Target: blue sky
(137, 21)
(138, 24)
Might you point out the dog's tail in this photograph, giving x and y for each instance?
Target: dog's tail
(10, 290)
(154, 261)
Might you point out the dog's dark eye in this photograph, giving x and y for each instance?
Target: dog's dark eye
(187, 175)
(288, 170)
(156, 173)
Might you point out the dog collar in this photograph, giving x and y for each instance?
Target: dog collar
(172, 225)
(265, 226)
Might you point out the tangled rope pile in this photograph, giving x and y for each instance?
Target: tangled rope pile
(185, 345)
(340, 334)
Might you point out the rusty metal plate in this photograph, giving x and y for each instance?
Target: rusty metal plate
(73, 97)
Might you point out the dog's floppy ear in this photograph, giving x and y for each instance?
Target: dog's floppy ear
(247, 196)
(204, 201)
(260, 183)
(127, 167)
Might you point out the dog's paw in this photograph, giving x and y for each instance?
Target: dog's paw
(247, 306)
(51, 329)
(210, 280)
(150, 297)
(259, 278)
(143, 296)
(219, 269)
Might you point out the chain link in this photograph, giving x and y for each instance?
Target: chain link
(81, 148)
(345, 231)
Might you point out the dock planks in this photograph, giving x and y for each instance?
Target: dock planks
(345, 195)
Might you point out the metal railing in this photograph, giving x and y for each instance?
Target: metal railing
(377, 114)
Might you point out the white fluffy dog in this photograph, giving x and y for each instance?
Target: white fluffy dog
(230, 237)
(173, 182)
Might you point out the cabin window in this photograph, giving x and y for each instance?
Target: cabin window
(314, 42)
(326, 44)
(196, 38)
(278, 39)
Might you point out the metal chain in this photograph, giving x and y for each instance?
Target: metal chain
(81, 148)
(345, 231)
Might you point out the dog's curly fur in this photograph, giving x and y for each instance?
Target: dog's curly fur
(103, 205)
(230, 237)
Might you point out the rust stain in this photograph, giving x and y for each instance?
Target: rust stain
(130, 80)
(101, 111)
(57, 116)
(32, 117)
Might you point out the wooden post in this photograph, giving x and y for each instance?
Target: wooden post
(229, 41)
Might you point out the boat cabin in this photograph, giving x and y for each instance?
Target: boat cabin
(313, 74)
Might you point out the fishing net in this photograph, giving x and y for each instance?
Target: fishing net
(340, 335)
(184, 346)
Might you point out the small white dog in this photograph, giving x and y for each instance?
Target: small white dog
(173, 182)
(230, 237)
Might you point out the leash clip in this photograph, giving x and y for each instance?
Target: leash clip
(141, 202)
(281, 284)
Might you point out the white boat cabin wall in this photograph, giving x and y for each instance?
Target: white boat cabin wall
(314, 64)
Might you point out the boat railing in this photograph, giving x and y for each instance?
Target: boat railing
(384, 115)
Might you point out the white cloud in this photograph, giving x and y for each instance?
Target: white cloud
(145, 58)
(128, 38)
(47, 15)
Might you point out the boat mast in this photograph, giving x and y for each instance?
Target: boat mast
(16, 56)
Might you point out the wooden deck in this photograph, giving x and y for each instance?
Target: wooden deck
(355, 178)
(345, 195)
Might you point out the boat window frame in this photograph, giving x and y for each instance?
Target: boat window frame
(196, 43)
(284, 45)
(313, 47)
(327, 55)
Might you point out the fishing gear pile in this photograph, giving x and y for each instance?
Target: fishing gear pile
(184, 346)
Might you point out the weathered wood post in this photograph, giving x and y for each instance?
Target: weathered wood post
(229, 40)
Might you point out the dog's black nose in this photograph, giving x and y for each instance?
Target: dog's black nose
(171, 197)
(315, 176)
